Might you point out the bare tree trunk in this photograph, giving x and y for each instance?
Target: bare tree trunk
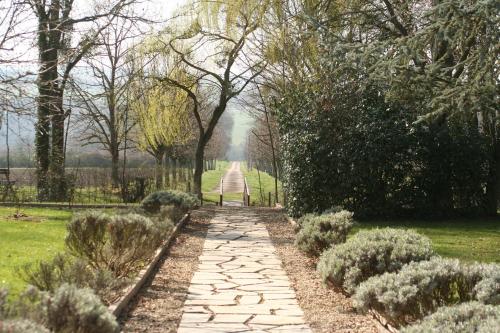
(159, 168)
(198, 167)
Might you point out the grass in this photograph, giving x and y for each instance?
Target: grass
(40, 236)
(464, 239)
(259, 191)
(211, 179)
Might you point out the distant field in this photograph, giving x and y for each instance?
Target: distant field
(37, 236)
(476, 239)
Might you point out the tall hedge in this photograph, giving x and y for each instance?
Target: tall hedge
(351, 148)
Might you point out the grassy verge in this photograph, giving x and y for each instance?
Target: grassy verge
(259, 191)
(464, 239)
(37, 236)
(210, 181)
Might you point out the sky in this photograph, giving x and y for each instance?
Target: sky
(21, 130)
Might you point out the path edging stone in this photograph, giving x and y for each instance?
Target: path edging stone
(383, 325)
(131, 291)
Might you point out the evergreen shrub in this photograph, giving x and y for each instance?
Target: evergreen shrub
(319, 232)
(372, 252)
(463, 318)
(183, 201)
(420, 288)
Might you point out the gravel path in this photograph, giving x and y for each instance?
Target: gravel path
(325, 310)
(158, 308)
(239, 285)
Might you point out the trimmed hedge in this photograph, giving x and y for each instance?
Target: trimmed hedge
(370, 253)
(184, 201)
(463, 318)
(420, 288)
(318, 233)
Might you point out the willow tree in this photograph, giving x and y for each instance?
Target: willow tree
(209, 45)
(163, 119)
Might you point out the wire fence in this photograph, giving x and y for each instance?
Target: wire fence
(95, 185)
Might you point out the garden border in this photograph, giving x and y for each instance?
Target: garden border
(131, 291)
(382, 324)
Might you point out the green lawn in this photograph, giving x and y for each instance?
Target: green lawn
(39, 236)
(259, 191)
(211, 179)
(464, 239)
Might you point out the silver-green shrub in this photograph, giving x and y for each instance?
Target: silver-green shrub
(181, 200)
(21, 326)
(73, 310)
(133, 239)
(87, 237)
(420, 288)
(120, 243)
(370, 253)
(68, 310)
(471, 317)
(170, 213)
(488, 289)
(48, 275)
(319, 232)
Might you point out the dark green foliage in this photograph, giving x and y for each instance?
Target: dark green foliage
(464, 318)
(318, 233)
(419, 288)
(376, 162)
(372, 252)
(184, 201)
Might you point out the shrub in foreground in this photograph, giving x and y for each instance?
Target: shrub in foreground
(463, 318)
(319, 232)
(120, 244)
(80, 311)
(184, 201)
(48, 275)
(21, 326)
(370, 253)
(420, 288)
(487, 290)
(68, 310)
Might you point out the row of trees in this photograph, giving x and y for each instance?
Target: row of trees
(385, 107)
(124, 84)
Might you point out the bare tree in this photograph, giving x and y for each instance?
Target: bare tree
(58, 55)
(104, 98)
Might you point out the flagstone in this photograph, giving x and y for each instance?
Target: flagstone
(240, 285)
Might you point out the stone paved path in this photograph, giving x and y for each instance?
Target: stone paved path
(240, 285)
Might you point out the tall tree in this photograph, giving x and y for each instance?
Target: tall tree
(163, 119)
(212, 52)
(104, 95)
(58, 55)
